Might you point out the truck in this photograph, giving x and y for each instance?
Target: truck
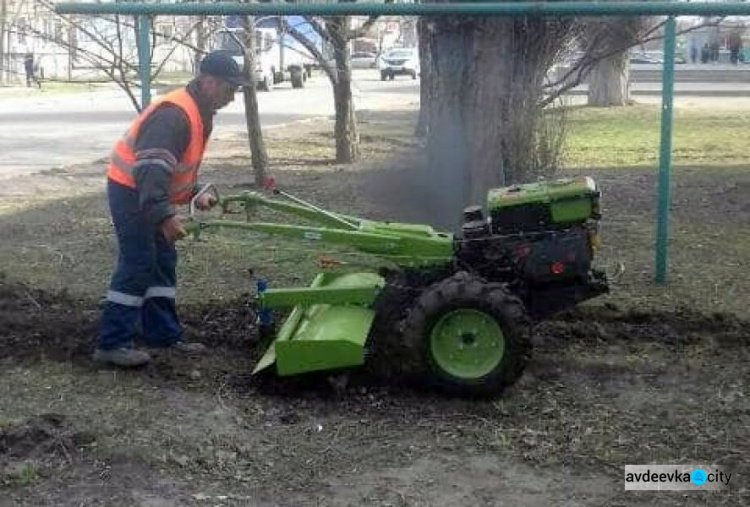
(274, 61)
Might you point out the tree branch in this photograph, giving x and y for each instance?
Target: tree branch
(173, 49)
(362, 30)
(319, 29)
(310, 46)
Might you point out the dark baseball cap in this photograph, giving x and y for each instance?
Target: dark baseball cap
(221, 64)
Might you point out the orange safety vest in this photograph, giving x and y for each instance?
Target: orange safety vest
(185, 174)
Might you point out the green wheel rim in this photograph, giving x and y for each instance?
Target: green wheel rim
(467, 343)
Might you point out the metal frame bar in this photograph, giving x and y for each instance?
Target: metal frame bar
(565, 8)
(665, 154)
(251, 200)
(402, 249)
(144, 58)
(369, 236)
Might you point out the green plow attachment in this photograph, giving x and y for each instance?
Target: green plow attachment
(330, 321)
(328, 326)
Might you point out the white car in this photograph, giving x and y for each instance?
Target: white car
(364, 61)
(402, 61)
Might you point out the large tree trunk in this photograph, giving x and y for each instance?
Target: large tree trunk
(484, 113)
(425, 76)
(334, 30)
(609, 79)
(609, 83)
(252, 118)
(347, 136)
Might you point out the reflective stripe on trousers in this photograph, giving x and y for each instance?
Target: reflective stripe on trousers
(142, 289)
(152, 292)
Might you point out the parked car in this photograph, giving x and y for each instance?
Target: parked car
(402, 61)
(644, 59)
(364, 61)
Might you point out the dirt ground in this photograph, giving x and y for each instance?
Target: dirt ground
(645, 375)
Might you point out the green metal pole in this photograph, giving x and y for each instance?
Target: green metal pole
(564, 8)
(143, 24)
(665, 155)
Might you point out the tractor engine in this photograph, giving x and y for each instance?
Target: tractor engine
(540, 240)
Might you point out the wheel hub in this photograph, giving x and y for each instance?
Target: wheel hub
(468, 339)
(467, 343)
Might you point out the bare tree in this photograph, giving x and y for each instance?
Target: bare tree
(111, 49)
(252, 117)
(597, 45)
(336, 31)
(609, 79)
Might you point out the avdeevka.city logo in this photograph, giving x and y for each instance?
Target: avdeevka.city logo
(675, 478)
(698, 476)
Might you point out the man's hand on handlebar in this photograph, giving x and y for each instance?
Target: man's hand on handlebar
(173, 229)
(205, 201)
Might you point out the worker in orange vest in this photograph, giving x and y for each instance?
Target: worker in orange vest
(154, 168)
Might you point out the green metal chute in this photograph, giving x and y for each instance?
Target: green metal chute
(327, 334)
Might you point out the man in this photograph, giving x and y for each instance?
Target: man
(28, 66)
(154, 167)
(735, 46)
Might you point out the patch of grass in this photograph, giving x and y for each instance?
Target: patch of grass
(630, 136)
(702, 268)
(20, 475)
(53, 88)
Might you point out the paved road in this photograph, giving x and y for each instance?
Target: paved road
(45, 131)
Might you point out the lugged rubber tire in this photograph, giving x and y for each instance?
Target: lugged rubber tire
(461, 294)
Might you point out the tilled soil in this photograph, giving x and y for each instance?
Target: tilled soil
(602, 389)
(35, 324)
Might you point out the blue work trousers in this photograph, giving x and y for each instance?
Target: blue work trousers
(142, 290)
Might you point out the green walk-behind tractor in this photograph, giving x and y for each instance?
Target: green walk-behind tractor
(461, 305)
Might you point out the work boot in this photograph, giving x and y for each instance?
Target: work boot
(188, 348)
(125, 357)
